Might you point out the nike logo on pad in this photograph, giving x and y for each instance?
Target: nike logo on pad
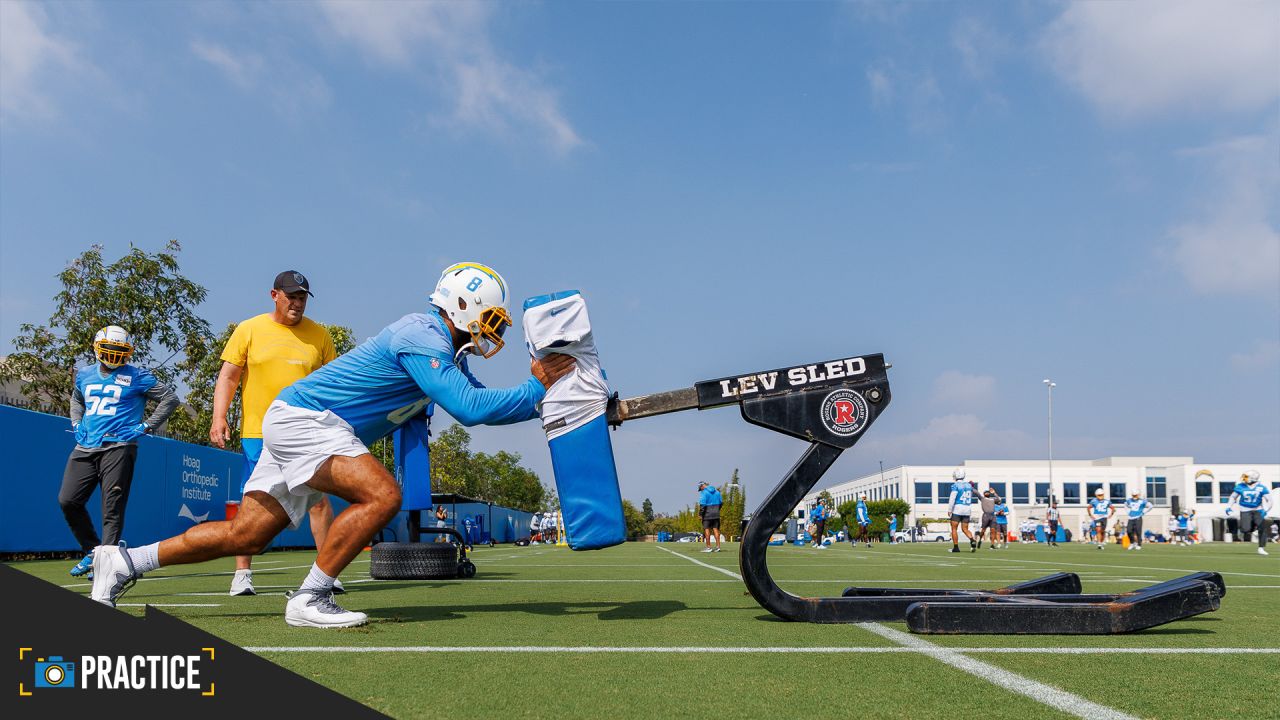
(557, 311)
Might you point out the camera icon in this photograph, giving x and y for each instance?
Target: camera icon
(55, 673)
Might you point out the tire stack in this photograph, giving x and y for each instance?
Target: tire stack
(419, 561)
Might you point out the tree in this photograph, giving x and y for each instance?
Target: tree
(879, 511)
(498, 478)
(145, 293)
(633, 519)
(734, 498)
(646, 508)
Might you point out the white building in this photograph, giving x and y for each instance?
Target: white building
(1025, 485)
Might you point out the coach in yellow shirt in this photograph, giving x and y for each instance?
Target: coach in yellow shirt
(266, 354)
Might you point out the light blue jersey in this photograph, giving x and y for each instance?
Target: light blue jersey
(962, 492)
(113, 404)
(1250, 495)
(1001, 512)
(864, 518)
(818, 513)
(1182, 522)
(1099, 508)
(893, 524)
(1137, 507)
(391, 378)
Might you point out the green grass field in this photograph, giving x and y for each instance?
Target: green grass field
(652, 618)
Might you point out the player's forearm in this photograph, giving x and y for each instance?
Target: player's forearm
(469, 405)
(166, 401)
(225, 389)
(77, 406)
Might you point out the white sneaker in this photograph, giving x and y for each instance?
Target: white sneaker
(717, 548)
(822, 547)
(707, 550)
(312, 608)
(1137, 547)
(113, 574)
(242, 583)
(1262, 551)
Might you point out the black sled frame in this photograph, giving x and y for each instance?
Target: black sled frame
(831, 404)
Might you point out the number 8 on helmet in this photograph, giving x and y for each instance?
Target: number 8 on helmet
(474, 296)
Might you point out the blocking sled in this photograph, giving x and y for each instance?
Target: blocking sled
(831, 405)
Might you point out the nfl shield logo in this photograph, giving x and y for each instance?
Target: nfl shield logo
(435, 364)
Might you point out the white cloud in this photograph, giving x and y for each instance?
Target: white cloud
(979, 46)
(1144, 57)
(881, 87)
(956, 389)
(915, 94)
(1266, 354)
(1234, 248)
(30, 55)
(951, 438)
(242, 70)
(453, 39)
(290, 88)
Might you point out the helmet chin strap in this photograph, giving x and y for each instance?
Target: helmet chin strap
(468, 348)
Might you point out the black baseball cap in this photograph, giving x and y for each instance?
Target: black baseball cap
(291, 281)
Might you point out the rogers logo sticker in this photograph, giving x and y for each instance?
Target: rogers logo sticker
(844, 412)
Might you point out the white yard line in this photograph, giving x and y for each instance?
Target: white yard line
(1013, 682)
(1126, 567)
(730, 573)
(169, 604)
(899, 649)
(1061, 700)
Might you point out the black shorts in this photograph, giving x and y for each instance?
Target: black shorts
(964, 519)
(988, 521)
(710, 523)
(1101, 524)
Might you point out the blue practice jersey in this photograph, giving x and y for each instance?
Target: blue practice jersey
(1138, 507)
(1182, 522)
(1099, 508)
(112, 404)
(961, 495)
(1250, 495)
(893, 524)
(1002, 513)
(709, 496)
(818, 513)
(394, 376)
(864, 518)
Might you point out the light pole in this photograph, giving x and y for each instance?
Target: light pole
(1053, 491)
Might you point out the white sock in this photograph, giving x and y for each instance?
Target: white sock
(317, 580)
(145, 559)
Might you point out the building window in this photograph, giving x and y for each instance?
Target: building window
(1021, 493)
(1117, 492)
(944, 493)
(1225, 489)
(1204, 491)
(800, 513)
(1042, 493)
(998, 488)
(924, 493)
(1071, 493)
(1090, 489)
(1158, 490)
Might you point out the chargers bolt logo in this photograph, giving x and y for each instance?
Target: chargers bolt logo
(844, 412)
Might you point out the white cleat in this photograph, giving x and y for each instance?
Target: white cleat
(312, 608)
(822, 547)
(707, 550)
(1262, 551)
(113, 574)
(242, 583)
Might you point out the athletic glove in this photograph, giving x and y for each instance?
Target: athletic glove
(81, 433)
(132, 433)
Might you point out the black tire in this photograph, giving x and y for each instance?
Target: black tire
(413, 561)
(466, 569)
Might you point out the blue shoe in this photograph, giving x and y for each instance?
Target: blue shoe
(84, 566)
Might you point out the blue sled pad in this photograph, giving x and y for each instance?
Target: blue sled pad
(587, 482)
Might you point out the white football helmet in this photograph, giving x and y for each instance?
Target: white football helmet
(862, 496)
(112, 346)
(1099, 493)
(474, 297)
(958, 474)
(1251, 477)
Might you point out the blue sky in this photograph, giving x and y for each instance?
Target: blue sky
(987, 193)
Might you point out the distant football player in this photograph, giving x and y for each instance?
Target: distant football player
(1100, 511)
(1253, 500)
(863, 519)
(1138, 508)
(959, 508)
(107, 405)
(316, 432)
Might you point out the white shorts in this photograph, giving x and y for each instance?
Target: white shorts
(295, 442)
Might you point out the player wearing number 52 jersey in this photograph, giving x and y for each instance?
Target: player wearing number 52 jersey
(316, 431)
(107, 406)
